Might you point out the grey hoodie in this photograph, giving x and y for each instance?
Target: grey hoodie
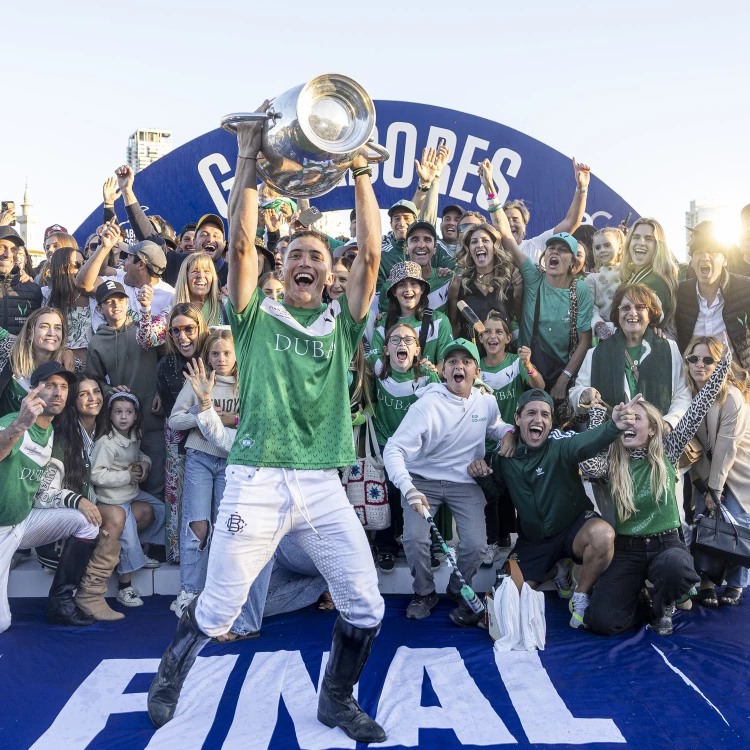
(116, 358)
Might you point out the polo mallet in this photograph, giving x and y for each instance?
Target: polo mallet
(472, 600)
(471, 317)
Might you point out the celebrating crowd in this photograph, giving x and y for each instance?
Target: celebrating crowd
(197, 397)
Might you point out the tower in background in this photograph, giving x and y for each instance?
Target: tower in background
(26, 221)
(145, 146)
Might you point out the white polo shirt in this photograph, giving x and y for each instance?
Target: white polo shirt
(710, 320)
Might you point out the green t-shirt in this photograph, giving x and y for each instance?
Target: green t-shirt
(438, 297)
(507, 380)
(21, 471)
(292, 380)
(392, 252)
(438, 337)
(394, 396)
(11, 397)
(635, 355)
(649, 517)
(554, 312)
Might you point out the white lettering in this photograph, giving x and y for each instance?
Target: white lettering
(433, 139)
(462, 707)
(296, 345)
(503, 188)
(214, 190)
(274, 675)
(288, 342)
(317, 349)
(592, 219)
(543, 714)
(466, 166)
(410, 149)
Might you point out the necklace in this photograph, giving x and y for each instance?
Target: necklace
(481, 284)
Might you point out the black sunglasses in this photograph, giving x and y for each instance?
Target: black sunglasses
(694, 359)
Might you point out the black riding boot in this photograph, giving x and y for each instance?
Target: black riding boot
(61, 606)
(336, 705)
(175, 665)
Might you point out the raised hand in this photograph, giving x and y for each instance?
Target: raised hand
(7, 217)
(484, 170)
(272, 220)
(111, 191)
(443, 153)
(145, 294)
(583, 174)
(524, 354)
(201, 383)
(125, 177)
(623, 415)
(589, 397)
(110, 235)
(31, 407)
(250, 134)
(427, 168)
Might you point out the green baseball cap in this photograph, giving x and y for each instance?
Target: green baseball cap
(403, 206)
(535, 394)
(464, 344)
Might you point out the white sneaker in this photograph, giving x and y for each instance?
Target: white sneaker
(129, 597)
(151, 563)
(578, 605)
(180, 604)
(493, 554)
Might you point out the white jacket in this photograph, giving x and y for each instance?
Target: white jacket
(441, 435)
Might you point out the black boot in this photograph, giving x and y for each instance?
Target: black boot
(61, 606)
(336, 705)
(175, 665)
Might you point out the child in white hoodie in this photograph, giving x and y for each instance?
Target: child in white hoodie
(427, 459)
(117, 467)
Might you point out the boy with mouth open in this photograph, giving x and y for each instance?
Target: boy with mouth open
(556, 517)
(426, 458)
(294, 432)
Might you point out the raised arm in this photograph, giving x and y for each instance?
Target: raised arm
(243, 215)
(360, 288)
(596, 467)
(87, 278)
(31, 407)
(573, 218)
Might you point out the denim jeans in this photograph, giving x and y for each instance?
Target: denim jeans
(736, 577)
(132, 557)
(662, 559)
(203, 488)
(290, 581)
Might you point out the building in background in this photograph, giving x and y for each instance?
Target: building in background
(26, 221)
(145, 146)
(724, 219)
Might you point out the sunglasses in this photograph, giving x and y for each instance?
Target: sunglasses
(189, 330)
(628, 308)
(75, 264)
(694, 359)
(396, 340)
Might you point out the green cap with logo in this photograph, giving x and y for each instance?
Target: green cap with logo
(466, 345)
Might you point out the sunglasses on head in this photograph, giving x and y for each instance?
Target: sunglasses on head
(694, 359)
(189, 330)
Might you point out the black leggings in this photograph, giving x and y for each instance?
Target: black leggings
(663, 559)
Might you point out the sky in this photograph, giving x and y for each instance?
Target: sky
(654, 96)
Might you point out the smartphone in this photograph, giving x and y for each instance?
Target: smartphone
(7, 205)
(309, 216)
(627, 219)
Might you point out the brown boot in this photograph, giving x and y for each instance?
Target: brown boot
(93, 586)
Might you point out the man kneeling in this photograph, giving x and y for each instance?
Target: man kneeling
(556, 518)
(426, 460)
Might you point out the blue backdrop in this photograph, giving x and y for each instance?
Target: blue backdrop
(431, 684)
(195, 178)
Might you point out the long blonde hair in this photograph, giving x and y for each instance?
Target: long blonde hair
(663, 264)
(737, 377)
(502, 268)
(620, 481)
(182, 287)
(22, 352)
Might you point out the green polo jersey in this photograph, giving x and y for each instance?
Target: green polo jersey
(394, 396)
(507, 380)
(439, 335)
(12, 395)
(292, 383)
(22, 470)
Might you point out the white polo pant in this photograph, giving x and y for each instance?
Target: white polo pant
(262, 505)
(41, 526)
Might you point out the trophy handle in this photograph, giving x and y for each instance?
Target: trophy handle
(381, 154)
(229, 122)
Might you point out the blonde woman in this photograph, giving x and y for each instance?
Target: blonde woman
(42, 339)
(640, 469)
(608, 245)
(724, 466)
(485, 269)
(647, 260)
(197, 283)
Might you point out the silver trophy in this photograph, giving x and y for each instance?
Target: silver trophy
(314, 132)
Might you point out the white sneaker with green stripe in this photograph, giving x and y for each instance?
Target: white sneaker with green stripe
(578, 605)
(564, 579)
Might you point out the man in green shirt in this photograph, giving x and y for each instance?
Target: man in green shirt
(25, 450)
(294, 432)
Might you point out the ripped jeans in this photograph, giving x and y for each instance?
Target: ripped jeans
(203, 488)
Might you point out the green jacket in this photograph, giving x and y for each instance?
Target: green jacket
(544, 483)
(392, 252)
